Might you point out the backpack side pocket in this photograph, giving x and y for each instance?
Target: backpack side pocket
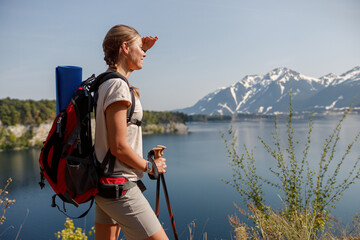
(80, 175)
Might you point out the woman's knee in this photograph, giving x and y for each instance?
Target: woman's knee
(159, 235)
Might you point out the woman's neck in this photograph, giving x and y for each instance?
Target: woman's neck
(123, 70)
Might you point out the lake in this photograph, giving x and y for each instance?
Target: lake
(196, 164)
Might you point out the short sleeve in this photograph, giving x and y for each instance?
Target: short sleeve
(117, 90)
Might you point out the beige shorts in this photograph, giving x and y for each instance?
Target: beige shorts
(131, 211)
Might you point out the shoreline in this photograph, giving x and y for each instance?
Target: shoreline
(21, 137)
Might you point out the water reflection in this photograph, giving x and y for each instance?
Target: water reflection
(22, 166)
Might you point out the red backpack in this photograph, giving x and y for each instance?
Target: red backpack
(67, 158)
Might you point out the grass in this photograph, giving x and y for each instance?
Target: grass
(274, 225)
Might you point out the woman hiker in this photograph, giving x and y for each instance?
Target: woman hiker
(124, 51)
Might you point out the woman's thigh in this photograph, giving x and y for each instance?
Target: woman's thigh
(132, 212)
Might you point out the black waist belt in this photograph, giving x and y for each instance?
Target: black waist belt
(117, 190)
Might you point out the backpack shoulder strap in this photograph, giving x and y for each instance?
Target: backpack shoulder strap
(109, 75)
(104, 77)
(132, 108)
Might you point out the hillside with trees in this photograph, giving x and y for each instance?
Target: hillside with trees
(26, 112)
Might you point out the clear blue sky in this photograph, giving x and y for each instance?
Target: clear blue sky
(203, 44)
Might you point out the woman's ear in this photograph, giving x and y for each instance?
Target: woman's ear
(124, 48)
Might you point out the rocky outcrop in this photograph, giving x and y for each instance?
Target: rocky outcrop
(40, 133)
(167, 128)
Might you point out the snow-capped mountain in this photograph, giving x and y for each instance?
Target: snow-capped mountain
(269, 94)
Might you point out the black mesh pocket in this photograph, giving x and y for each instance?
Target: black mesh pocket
(80, 175)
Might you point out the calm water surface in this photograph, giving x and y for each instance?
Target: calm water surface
(196, 164)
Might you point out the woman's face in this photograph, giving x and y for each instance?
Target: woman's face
(136, 54)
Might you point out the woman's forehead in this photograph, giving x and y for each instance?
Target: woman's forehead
(137, 39)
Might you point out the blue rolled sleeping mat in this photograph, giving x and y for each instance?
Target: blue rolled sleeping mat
(68, 79)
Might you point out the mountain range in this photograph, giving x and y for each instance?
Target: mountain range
(269, 94)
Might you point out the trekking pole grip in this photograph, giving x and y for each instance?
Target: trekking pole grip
(156, 152)
(159, 151)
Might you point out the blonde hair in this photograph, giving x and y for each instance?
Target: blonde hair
(112, 43)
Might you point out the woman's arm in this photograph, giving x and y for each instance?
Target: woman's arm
(116, 123)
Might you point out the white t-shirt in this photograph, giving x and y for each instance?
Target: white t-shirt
(111, 91)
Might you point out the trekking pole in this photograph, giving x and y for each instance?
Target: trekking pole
(158, 152)
(157, 196)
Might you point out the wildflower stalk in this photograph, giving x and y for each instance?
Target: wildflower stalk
(5, 202)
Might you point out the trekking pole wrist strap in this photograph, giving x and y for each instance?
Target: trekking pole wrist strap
(155, 174)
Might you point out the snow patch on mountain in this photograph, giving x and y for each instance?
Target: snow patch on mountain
(331, 106)
(261, 109)
(225, 106)
(232, 90)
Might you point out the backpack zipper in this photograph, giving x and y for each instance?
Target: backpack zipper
(58, 126)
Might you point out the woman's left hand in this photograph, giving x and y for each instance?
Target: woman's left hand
(148, 42)
(160, 164)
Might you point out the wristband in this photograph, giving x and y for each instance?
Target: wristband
(149, 167)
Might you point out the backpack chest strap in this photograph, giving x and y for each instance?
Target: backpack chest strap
(135, 122)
